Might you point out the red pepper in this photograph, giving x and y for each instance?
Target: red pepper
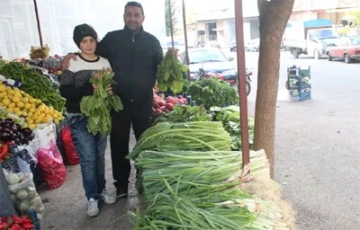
(28, 225)
(16, 226)
(4, 225)
(3, 150)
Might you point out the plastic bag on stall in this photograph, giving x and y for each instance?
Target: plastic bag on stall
(31, 148)
(72, 156)
(45, 133)
(23, 192)
(51, 165)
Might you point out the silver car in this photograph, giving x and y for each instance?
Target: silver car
(210, 60)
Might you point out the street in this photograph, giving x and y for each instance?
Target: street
(317, 143)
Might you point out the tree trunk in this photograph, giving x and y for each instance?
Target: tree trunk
(273, 17)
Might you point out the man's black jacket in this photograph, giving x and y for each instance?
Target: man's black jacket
(134, 60)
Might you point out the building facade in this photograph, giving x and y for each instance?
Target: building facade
(215, 22)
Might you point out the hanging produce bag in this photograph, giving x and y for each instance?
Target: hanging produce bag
(51, 165)
(23, 192)
(71, 155)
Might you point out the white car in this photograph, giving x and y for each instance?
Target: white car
(253, 45)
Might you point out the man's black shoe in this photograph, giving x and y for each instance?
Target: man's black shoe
(121, 192)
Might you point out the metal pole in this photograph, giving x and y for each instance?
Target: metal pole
(171, 24)
(186, 41)
(239, 24)
(38, 23)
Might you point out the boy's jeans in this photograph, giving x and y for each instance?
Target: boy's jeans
(91, 150)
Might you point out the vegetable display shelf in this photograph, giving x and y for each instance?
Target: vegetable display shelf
(298, 82)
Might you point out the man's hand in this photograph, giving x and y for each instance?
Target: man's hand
(66, 60)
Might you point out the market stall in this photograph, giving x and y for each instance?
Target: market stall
(194, 167)
(31, 108)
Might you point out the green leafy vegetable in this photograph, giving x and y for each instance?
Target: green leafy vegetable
(183, 113)
(230, 117)
(170, 73)
(97, 107)
(212, 92)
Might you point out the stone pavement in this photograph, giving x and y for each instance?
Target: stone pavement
(65, 207)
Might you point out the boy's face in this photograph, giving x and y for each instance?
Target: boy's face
(88, 45)
(133, 18)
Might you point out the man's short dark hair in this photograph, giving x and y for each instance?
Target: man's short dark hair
(136, 4)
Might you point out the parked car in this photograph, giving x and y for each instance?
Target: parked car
(233, 47)
(210, 60)
(168, 44)
(253, 45)
(348, 50)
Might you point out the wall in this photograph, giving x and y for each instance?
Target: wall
(18, 28)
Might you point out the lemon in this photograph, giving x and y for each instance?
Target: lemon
(15, 99)
(46, 119)
(11, 105)
(41, 108)
(16, 109)
(20, 104)
(18, 113)
(2, 87)
(5, 101)
(27, 105)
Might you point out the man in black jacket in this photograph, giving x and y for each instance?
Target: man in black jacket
(134, 56)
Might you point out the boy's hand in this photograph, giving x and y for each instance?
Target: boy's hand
(108, 88)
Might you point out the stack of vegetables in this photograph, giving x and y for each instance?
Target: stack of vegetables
(191, 180)
(34, 84)
(184, 113)
(163, 105)
(16, 222)
(11, 133)
(23, 105)
(197, 135)
(230, 117)
(212, 92)
(33, 103)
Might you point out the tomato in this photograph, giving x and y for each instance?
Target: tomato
(169, 106)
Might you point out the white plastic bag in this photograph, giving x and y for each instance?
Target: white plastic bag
(23, 193)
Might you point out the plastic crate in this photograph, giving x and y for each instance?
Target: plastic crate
(13, 165)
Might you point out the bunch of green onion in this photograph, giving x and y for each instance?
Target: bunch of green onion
(194, 136)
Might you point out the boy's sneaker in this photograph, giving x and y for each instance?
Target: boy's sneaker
(93, 209)
(121, 192)
(107, 197)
